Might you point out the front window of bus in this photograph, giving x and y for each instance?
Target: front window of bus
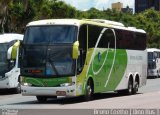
(49, 48)
(150, 55)
(3, 59)
(151, 60)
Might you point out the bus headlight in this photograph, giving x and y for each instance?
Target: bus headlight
(7, 75)
(66, 84)
(3, 77)
(26, 84)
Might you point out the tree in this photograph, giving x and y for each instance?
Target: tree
(11, 11)
(3, 13)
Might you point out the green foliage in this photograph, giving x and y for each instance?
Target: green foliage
(149, 20)
(20, 13)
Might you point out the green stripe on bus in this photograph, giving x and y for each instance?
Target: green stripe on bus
(117, 72)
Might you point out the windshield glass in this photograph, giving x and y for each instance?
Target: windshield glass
(3, 52)
(150, 55)
(59, 61)
(53, 60)
(50, 34)
(5, 64)
(48, 49)
(155, 54)
(3, 58)
(151, 65)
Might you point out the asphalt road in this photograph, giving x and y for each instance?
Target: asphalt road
(148, 97)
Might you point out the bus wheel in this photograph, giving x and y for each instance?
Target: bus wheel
(41, 98)
(130, 87)
(136, 86)
(89, 91)
(157, 74)
(129, 90)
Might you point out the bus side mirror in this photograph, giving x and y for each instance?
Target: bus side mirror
(14, 50)
(75, 51)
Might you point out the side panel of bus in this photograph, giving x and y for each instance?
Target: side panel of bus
(108, 62)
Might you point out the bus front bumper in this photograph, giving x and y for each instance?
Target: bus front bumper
(4, 84)
(48, 91)
(8, 83)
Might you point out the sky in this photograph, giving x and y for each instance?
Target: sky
(99, 4)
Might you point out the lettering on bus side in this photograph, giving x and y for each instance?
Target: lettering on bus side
(136, 58)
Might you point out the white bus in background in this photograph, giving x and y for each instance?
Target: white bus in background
(153, 62)
(9, 70)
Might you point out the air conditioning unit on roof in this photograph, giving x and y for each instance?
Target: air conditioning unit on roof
(108, 22)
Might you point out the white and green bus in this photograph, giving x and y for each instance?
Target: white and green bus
(9, 64)
(70, 57)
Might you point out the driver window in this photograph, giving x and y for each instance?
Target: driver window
(82, 38)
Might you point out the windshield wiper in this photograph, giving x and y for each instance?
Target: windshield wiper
(53, 67)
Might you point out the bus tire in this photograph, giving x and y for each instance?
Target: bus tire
(130, 87)
(129, 90)
(89, 90)
(41, 98)
(136, 86)
(157, 74)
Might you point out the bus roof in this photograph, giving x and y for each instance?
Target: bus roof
(76, 22)
(10, 37)
(152, 49)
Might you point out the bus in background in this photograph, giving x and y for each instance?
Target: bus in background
(70, 57)
(153, 62)
(9, 65)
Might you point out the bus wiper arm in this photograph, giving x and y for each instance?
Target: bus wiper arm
(53, 67)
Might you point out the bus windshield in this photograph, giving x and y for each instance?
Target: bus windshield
(150, 55)
(50, 34)
(3, 58)
(151, 65)
(49, 49)
(3, 52)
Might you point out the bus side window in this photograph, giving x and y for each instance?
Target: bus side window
(93, 35)
(107, 40)
(130, 40)
(140, 41)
